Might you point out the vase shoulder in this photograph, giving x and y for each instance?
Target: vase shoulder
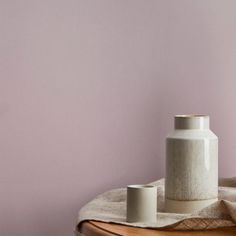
(191, 134)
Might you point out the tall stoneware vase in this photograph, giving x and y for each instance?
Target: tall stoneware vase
(191, 165)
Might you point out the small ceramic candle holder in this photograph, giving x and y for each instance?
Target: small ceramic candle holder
(141, 203)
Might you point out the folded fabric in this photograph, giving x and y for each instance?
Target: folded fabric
(111, 207)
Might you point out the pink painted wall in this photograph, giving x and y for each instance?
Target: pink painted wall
(88, 90)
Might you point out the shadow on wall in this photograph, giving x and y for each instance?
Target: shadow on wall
(48, 219)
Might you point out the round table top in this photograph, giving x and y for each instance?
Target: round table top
(95, 228)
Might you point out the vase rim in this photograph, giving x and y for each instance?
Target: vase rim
(191, 115)
(192, 121)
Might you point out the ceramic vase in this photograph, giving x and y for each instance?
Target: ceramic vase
(191, 165)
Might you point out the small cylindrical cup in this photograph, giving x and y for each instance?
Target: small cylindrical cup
(141, 203)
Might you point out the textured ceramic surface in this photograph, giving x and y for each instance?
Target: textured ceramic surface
(141, 203)
(191, 165)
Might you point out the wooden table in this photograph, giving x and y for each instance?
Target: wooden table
(95, 228)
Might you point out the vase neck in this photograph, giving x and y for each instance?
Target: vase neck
(192, 122)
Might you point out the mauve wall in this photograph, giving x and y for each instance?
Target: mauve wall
(88, 90)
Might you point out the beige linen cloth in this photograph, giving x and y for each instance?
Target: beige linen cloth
(111, 207)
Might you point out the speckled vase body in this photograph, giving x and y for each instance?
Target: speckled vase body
(191, 165)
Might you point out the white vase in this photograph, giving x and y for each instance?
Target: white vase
(191, 165)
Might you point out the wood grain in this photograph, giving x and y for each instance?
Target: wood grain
(95, 228)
